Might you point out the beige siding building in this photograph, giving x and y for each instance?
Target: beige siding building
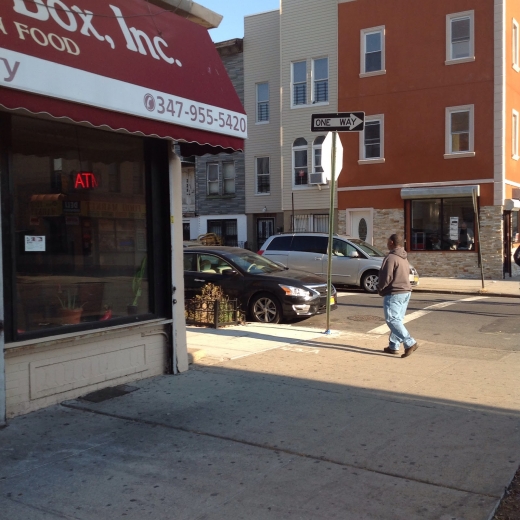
(294, 51)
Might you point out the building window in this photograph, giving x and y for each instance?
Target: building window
(300, 162)
(373, 51)
(460, 40)
(516, 46)
(310, 223)
(514, 135)
(299, 83)
(262, 102)
(442, 224)
(317, 170)
(212, 176)
(320, 71)
(371, 140)
(459, 132)
(79, 248)
(228, 182)
(263, 176)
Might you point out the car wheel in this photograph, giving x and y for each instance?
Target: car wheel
(265, 309)
(369, 282)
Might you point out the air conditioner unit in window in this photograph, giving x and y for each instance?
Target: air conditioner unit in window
(317, 178)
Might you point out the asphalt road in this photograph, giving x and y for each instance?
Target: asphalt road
(475, 321)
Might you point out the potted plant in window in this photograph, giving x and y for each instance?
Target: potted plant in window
(137, 282)
(70, 311)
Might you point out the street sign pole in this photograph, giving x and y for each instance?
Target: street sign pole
(331, 228)
(332, 164)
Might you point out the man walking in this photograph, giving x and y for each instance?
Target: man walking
(394, 286)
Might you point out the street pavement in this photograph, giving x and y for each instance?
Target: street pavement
(284, 421)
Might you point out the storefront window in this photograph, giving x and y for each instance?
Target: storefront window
(80, 235)
(443, 224)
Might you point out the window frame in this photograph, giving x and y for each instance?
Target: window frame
(294, 150)
(224, 178)
(293, 84)
(515, 45)
(259, 101)
(514, 135)
(263, 193)
(364, 33)
(362, 146)
(208, 193)
(327, 79)
(449, 49)
(448, 153)
(317, 147)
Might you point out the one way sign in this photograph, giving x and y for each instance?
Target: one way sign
(339, 121)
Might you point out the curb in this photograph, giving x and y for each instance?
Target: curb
(480, 292)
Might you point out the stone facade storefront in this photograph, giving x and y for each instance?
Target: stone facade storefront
(456, 264)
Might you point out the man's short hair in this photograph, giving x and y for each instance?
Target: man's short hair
(397, 239)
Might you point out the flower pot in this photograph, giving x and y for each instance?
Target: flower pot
(70, 316)
(131, 309)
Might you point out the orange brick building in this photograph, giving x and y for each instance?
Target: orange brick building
(439, 81)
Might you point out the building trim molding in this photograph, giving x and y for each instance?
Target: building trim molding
(416, 185)
(500, 89)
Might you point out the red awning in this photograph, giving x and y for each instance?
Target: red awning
(124, 64)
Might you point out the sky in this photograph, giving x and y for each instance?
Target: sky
(233, 11)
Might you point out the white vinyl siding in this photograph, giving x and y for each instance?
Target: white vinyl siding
(262, 65)
(318, 21)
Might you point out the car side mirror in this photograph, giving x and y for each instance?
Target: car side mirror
(354, 254)
(229, 272)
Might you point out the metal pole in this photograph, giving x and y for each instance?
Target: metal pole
(475, 207)
(331, 227)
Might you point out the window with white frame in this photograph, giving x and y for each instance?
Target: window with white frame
(515, 34)
(514, 136)
(212, 178)
(460, 39)
(373, 51)
(228, 174)
(262, 102)
(263, 175)
(316, 154)
(459, 131)
(300, 162)
(320, 74)
(299, 83)
(371, 140)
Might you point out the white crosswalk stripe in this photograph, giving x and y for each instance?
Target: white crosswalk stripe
(383, 329)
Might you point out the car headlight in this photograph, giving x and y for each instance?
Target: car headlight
(295, 291)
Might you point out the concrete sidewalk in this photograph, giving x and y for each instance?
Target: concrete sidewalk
(510, 287)
(309, 427)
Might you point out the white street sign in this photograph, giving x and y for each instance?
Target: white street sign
(326, 156)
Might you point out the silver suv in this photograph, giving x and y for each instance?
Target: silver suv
(354, 262)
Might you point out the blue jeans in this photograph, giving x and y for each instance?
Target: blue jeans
(395, 306)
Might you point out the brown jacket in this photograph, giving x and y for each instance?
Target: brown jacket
(394, 276)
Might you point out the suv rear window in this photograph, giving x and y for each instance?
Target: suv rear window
(282, 243)
(310, 244)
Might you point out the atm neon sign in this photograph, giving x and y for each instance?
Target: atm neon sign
(85, 180)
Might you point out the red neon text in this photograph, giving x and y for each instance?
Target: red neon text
(85, 180)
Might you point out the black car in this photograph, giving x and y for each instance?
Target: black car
(267, 291)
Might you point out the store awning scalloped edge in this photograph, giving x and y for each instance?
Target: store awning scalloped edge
(192, 141)
(119, 65)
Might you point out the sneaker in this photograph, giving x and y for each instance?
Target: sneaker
(389, 350)
(409, 351)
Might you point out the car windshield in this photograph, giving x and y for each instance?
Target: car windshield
(253, 263)
(366, 248)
